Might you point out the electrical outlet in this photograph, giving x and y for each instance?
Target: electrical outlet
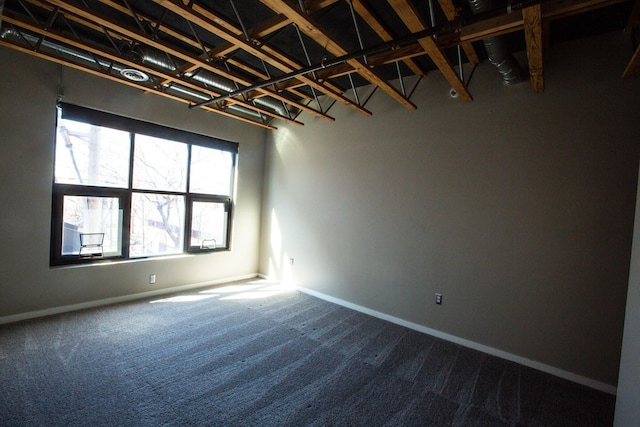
(438, 299)
(290, 261)
(152, 278)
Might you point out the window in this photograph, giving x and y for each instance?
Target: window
(128, 189)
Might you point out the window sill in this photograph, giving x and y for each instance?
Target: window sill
(113, 261)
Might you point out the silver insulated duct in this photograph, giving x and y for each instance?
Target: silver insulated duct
(226, 85)
(497, 50)
(131, 74)
(207, 78)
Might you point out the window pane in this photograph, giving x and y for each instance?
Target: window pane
(157, 224)
(159, 164)
(87, 215)
(210, 171)
(91, 155)
(208, 225)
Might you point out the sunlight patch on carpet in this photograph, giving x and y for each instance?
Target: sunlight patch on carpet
(253, 290)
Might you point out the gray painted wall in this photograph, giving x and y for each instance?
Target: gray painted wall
(518, 207)
(28, 88)
(628, 401)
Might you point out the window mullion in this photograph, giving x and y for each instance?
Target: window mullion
(126, 208)
(186, 243)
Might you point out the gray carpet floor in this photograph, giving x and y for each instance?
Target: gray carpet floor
(250, 355)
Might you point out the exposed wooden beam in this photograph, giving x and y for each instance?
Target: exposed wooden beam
(556, 9)
(368, 16)
(533, 35)
(278, 22)
(320, 36)
(263, 30)
(113, 25)
(492, 27)
(270, 56)
(451, 12)
(217, 52)
(81, 46)
(412, 20)
(389, 57)
(125, 82)
(510, 22)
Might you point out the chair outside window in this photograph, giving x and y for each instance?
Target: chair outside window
(91, 245)
(208, 244)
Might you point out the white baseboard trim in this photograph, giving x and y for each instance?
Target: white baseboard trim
(579, 379)
(115, 300)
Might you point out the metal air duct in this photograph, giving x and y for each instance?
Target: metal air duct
(181, 90)
(207, 78)
(17, 36)
(226, 85)
(155, 58)
(12, 34)
(497, 50)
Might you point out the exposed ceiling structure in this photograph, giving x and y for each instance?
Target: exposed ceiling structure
(267, 61)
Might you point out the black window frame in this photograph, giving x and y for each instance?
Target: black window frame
(125, 195)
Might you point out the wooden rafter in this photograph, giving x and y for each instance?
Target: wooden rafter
(368, 16)
(316, 33)
(451, 13)
(286, 63)
(533, 36)
(270, 56)
(125, 82)
(212, 54)
(167, 37)
(491, 27)
(557, 9)
(161, 45)
(276, 23)
(412, 20)
(389, 57)
(262, 31)
(144, 38)
(118, 36)
(508, 23)
(53, 35)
